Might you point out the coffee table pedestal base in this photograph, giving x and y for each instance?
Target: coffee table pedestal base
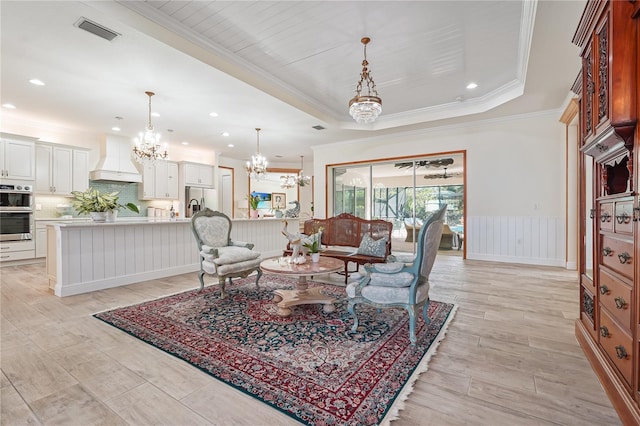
(287, 298)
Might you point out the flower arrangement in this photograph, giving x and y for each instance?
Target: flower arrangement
(313, 242)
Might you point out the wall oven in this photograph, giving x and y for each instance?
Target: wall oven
(16, 212)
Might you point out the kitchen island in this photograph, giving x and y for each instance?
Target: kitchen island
(84, 256)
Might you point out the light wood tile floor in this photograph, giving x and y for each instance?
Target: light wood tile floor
(509, 358)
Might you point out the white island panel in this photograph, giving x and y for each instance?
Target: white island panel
(91, 256)
(265, 234)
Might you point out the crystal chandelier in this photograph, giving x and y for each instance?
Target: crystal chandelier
(257, 167)
(290, 181)
(365, 108)
(147, 145)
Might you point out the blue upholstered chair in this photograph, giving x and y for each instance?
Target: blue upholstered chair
(396, 284)
(219, 255)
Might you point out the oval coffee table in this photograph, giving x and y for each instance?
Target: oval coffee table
(301, 295)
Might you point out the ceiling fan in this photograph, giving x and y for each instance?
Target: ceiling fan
(443, 175)
(438, 162)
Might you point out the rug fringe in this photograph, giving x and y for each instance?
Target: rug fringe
(398, 404)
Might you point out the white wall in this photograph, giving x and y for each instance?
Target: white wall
(515, 181)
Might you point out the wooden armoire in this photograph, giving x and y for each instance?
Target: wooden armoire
(609, 325)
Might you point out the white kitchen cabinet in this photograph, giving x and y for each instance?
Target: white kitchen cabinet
(17, 250)
(159, 181)
(80, 170)
(198, 175)
(54, 169)
(61, 169)
(17, 159)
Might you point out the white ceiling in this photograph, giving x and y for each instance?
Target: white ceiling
(282, 66)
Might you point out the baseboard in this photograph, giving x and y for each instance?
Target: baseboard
(621, 400)
(516, 259)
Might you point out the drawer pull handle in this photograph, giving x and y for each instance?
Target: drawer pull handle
(592, 213)
(607, 251)
(604, 289)
(4, 257)
(605, 217)
(623, 218)
(621, 352)
(604, 331)
(624, 258)
(620, 302)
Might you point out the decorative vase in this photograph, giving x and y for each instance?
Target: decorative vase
(315, 257)
(254, 214)
(112, 215)
(278, 213)
(98, 216)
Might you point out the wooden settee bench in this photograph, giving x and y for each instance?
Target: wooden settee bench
(342, 235)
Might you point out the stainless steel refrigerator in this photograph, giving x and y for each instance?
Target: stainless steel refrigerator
(197, 199)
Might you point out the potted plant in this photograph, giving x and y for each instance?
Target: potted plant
(312, 244)
(254, 199)
(99, 205)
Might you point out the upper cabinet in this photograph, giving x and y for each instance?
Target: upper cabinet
(198, 174)
(159, 180)
(60, 169)
(17, 159)
(608, 103)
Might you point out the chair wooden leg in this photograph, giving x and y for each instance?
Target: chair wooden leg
(201, 277)
(221, 280)
(351, 307)
(425, 309)
(412, 324)
(258, 277)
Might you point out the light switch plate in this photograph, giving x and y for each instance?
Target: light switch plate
(38, 207)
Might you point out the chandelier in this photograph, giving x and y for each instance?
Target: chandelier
(290, 181)
(147, 145)
(257, 167)
(365, 108)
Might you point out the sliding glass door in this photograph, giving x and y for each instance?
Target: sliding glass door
(404, 192)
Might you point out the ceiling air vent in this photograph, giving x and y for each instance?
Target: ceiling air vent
(97, 29)
(318, 127)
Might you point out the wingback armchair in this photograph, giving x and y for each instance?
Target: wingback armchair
(219, 255)
(387, 285)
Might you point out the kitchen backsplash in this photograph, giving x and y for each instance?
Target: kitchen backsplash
(128, 194)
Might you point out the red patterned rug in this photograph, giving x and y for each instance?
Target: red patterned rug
(309, 365)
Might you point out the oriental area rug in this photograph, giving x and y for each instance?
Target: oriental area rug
(309, 365)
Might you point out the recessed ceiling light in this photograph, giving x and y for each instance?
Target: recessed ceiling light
(225, 134)
(213, 114)
(10, 106)
(472, 85)
(36, 82)
(231, 145)
(155, 114)
(116, 128)
(185, 143)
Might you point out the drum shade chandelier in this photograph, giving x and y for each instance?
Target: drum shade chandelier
(365, 108)
(147, 145)
(257, 167)
(290, 181)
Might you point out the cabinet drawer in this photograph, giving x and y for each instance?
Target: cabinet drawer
(606, 217)
(17, 255)
(617, 255)
(617, 344)
(623, 222)
(616, 297)
(11, 246)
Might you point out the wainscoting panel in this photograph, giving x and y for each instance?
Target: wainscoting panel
(265, 234)
(516, 239)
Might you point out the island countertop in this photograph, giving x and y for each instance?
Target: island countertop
(70, 223)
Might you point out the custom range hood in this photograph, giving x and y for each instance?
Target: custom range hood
(115, 161)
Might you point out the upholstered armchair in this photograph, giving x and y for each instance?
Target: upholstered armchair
(386, 285)
(219, 255)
